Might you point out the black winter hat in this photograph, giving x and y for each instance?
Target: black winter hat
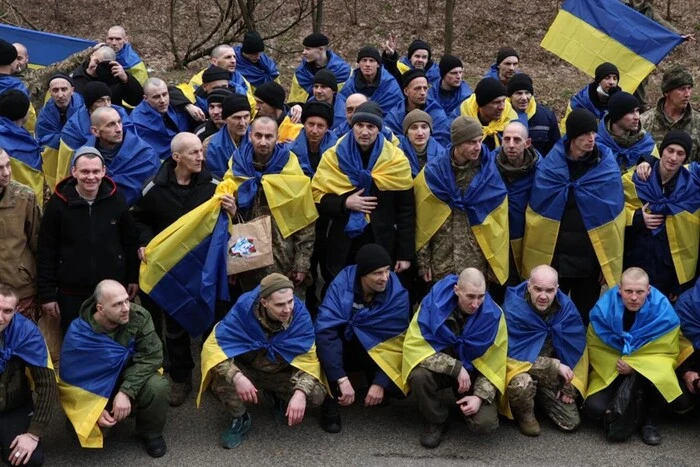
(368, 112)
(678, 137)
(94, 91)
(318, 109)
(234, 103)
(410, 75)
(489, 89)
(520, 82)
(315, 40)
(418, 45)
(449, 62)
(8, 53)
(219, 95)
(61, 76)
(371, 257)
(14, 104)
(620, 104)
(505, 52)
(605, 69)
(580, 121)
(214, 73)
(369, 51)
(272, 94)
(252, 43)
(326, 78)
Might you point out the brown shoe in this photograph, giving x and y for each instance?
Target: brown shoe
(179, 392)
(432, 434)
(528, 424)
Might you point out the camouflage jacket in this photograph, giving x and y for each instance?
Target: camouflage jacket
(658, 124)
(646, 7)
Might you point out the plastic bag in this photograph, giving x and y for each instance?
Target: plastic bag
(625, 411)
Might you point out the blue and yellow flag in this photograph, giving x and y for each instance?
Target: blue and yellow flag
(440, 129)
(286, 188)
(682, 211)
(22, 339)
(485, 202)
(130, 60)
(450, 100)
(688, 310)
(432, 73)
(91, 364)
(45, 48)
(380, 328)
(470, 108)
(527, 333)
(601, 201)
(650, 347)
(151, 127)
(300, 148)
(261, 72)
(387, 94)
(432, 151)
(303, 79)
(483, 344)
(236, 83)
(627, 157)
(25, 157)
(240, 332)
(587, 33)
(186, 269)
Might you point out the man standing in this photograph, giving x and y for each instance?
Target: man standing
(224, 57)
(214, 123)
(315, 138)
(8, 58)
(315, 57)
(219, 148)
(73, 257)
(452, 89)
(326, 90)
(673, 110)
(125, 379)
(417, 142)
(462, 210)
(265, 343)
(491, 108)
(540, 120)
(594, 96)
(126, 55)
(251, 61)
(365, 205)
(457, 339)
(23, 355)
(360, 327)
(506, 67)
(575, 219)
(418, 57)
(547, 355)
(269, 99)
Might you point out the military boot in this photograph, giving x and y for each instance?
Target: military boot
(432, 434)
(527, 423)
(179, 392)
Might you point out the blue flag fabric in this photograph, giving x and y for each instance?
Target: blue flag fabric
(48, 124)
(23, 339)
(336, 65)
(387, 95)
(433, 150)
(243, 167)
(256, 73)
(77, 129)
(127, 57)
(441, 124)
(151, 127)
(450, 100)
(301, 149)
(220, 151)
(19, 144)
(626, 157)
(45, 48)
(688, 311)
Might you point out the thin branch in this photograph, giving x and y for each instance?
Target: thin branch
(20, 15)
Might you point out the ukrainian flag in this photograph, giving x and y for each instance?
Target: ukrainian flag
(650, 347)
(44, 48)
(303, 79)
(25, 157)
(380, 328)
(688, 311)
(130, 60)
(518, 197)
(485, 203)
(91, 363)
(600, 198)
(186, 269)
(527, 333)
(240, 332)
(23, 339)
(682, 211)
(587, 33)
(482, 346)
(469, 108)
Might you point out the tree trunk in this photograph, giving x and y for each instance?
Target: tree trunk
(317, 16)
(247, 16)
(449, 23)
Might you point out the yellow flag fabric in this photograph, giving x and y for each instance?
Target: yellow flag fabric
(469, 108)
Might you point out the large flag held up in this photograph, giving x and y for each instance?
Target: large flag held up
(44, 48)
(587, 33)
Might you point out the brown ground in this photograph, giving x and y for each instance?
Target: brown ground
(481, 27)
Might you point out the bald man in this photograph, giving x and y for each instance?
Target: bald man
(22, 60)
(445, 328)
(547, 338)
(131, 356)
(352, 102)
(224, 57)
(181, 184)
(126, 55)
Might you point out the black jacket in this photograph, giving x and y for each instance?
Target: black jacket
(163, 201)
(130, 92)
(81, 245)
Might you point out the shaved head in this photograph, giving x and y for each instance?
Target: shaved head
(352, 103)
(471, 276)
(100, 114)
(470, 290)
(107, 287)
(182, 141)
(105, 54)
(153, 83)
(544, 272)
(262, 120)
(542, 286)
(516, 126)
(220, 50)
(634, 275)
(117, 30)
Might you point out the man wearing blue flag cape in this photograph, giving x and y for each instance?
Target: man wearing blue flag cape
(506, 66)
(539, 119)
(111, 367)
(634, 331)
(326, 90)
(126, 55)
(547, 355)
(23, 355)
(417, 141)
(8, 58)
(457, 339)
(256, 66)
(688, 310)
(220, 147)
(361, 326)
(451, 90)
(595, 95)
(263, 348)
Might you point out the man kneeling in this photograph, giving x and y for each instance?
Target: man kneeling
(266, 342)
(110, 365)
(457, 340)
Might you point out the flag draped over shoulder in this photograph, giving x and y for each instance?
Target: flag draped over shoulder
(485, 202)
(151, 127)
(380, 328)
(341, 170)
(130, 60)
(91, 363)
(258, 73)
(682, 211)
(688, 310)
(186, 269)
(387, 95)
(432, 150)
(303, 79)
(240, 332)
(287, 189)
(650, 347)
(600, 198)
(44, 48)
(23, 339)
(527, 333)
(627, 158)
(587, 33)
(300, 148)
(25, 157)
(483, 344)
(469, 108)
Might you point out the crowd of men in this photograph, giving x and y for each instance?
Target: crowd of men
(424, 236)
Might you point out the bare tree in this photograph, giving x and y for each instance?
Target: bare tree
(449, 25)
(317, 16)
(351, 6)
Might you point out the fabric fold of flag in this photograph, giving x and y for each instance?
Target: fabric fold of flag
(45, 48)
(587, 33)
(23, 339)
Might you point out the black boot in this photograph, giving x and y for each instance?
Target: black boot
(330, 416)
(650, 434)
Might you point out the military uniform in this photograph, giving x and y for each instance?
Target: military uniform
(277, 377)
(658, 124)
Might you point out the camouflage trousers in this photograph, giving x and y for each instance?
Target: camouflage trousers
(281, 383)
(524, 393)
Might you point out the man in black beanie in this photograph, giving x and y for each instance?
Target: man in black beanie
(452, 90)
(253, 63)
(325, 89)
(594, 96)
(8, 65)
(269, 99)
(214, 123)
(350, 334)
(621, 132)
(507, 65)
(219, 147)
(540, 120)
(418, 57)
